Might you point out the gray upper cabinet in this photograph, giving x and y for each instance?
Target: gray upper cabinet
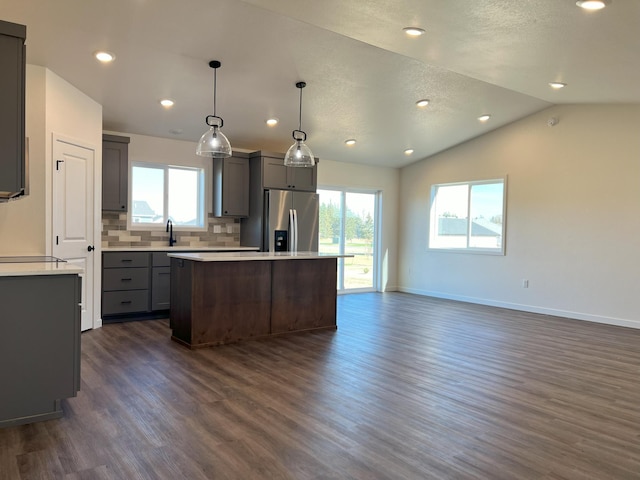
(115, 172)
(276, 175)
(231, 186)
(12, 114)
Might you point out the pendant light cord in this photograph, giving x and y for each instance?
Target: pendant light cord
(300, 115)
(215, 78)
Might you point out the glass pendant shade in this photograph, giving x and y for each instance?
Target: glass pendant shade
(299, 155)
(213, 143)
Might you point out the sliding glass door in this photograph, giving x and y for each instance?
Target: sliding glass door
(348, 225)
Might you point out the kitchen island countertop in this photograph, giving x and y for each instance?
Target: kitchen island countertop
(167, 248)
(248, 256)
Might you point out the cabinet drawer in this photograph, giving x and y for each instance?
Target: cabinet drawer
(125, 279)
(160, 259)
(125, 302)
(125, 259)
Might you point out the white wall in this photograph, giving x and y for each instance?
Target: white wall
(573, 216)
(385, 180)
(52, 106)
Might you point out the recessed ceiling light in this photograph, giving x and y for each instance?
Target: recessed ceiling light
(105, 57)
(176, 131)
(408, 151)
(351, 141)
(557, 85)
(422, 103)
(167, 103)
(484, 118)
(593, 4)
(413, 31)
(272, 122)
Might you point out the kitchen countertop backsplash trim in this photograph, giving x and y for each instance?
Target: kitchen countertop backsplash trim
(221, 232)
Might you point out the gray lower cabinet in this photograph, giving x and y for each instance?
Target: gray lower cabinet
(39, 346)
(125, 283)
(135, 285)
(160, 281)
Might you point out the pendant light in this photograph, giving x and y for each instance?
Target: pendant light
(299, 155)
(213, 142)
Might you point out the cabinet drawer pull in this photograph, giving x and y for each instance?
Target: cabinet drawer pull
(164, 273)
(126, 279)
(126, 260)
(125, 302)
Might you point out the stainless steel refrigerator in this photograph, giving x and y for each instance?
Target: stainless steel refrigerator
(290, 221)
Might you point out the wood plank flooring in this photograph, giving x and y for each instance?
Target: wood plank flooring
(408, 387)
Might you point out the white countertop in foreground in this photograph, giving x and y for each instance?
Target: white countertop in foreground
(167, 248)
(38, 268)
(247, 256)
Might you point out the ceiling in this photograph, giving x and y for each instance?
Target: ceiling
(363, 74)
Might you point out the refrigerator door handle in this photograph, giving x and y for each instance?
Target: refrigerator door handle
(292, 231)
(295, 219)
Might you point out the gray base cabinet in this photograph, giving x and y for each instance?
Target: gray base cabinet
(39, 346)
(136, 285)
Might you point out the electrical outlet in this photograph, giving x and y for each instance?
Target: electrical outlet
(217, 229)
(525, 283)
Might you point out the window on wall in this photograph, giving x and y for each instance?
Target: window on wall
(162, 192)
(468, 216)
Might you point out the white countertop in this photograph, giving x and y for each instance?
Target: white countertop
(245, 256)
(167, 248)
(38, 268)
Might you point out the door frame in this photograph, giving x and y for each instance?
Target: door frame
(377, 235)
(96, 318)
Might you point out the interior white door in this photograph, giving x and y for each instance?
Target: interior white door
(73, 212)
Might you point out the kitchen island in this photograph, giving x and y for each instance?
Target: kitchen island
(228, 297)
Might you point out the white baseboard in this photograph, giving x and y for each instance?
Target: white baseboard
(620, 322)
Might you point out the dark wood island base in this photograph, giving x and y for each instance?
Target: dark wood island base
(219, 302)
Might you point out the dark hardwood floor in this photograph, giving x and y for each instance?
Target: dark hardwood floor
(408, 387)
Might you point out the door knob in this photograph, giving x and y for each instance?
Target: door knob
(90, 248)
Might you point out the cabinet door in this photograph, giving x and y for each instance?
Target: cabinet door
(115, 174)
(160, 288)
(235, 187)
(275, 174)
(303, 178)
(12, 97)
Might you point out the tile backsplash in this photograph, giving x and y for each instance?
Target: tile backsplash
(221, 232)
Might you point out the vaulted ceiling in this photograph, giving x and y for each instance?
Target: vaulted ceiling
(363, 73)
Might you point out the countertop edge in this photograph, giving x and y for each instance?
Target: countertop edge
(180, 249)
(38, 268)
(255, 256)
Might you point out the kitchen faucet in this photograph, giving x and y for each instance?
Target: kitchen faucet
(172, 239)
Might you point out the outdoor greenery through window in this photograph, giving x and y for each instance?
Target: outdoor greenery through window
(163, 192)
(468, 216)
(347, 225)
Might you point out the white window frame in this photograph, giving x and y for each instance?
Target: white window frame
(433, 220)
(203, 193)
